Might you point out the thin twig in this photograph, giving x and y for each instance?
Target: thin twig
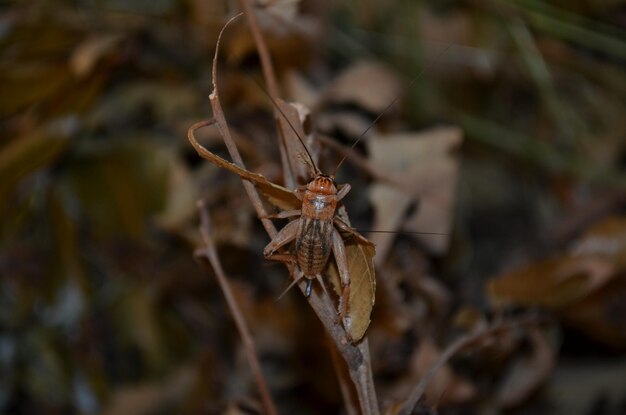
(457, 346)
(350, 401)
(209, 252)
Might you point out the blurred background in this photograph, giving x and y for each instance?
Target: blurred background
(102, 306)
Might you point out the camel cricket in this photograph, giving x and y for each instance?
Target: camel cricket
(316, 234)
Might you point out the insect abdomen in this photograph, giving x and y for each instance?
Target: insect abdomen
(313, 245)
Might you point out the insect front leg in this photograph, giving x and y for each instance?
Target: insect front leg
(343, 191)
(339, 251)
(286, 235)
(284, 214)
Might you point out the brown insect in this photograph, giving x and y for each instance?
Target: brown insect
(316, 234)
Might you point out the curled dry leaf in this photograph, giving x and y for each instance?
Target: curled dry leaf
(277, 195)
(595, 259)
(586, 285)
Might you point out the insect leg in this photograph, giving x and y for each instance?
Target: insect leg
(343, 191)
(284, 214)
(339, 251)
(283, 258)
(346, 228)
(286, 235)
(299, 192)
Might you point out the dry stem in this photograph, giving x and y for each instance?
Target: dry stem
(209, 252)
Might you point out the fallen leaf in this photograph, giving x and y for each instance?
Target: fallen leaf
(390, 205)
(606, 238)
(586, 285)
(299, 89)
(553, 283)
(370, 85)
(87, 54)
(427, 173)
(181, 196)
(362, 283)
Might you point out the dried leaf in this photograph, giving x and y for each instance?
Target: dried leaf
(362, 286)
(557, 282)
(606, 238)
(299, 89)
(370, 85)
(181, 197)
(90, 51)
(428, 174)
(390, 205)
(586, 285)
(552, 283)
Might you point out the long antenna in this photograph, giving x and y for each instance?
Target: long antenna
(388, 107)
(267, 94)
